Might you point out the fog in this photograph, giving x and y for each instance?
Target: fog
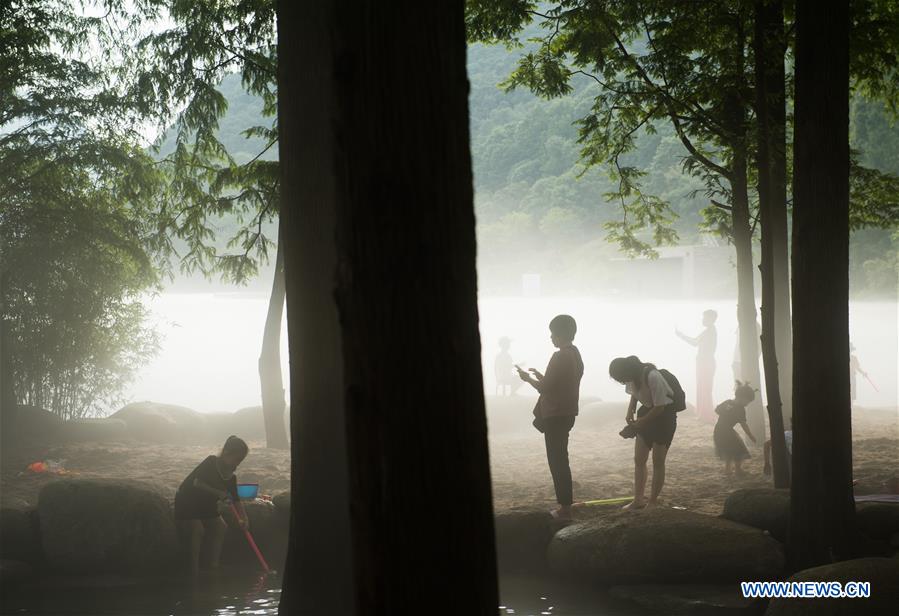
(210, 344)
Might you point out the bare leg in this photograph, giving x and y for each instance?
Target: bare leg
(641, 455)
(193, 530)
(659, 452)
(215, 528)
(727, 465)
(738, 468)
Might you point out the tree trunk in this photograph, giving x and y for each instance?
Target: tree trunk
(270, 378)
(8, 400)
(822, 511)
(746, 312)
(777, 227)
(387, 394)
(742, 231)
(767, 47)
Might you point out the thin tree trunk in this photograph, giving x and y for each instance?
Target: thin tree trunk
(270, 378)
(777, 227)
(8, 401)
(375, 154)
(767, 45)
(822, 511)
(747, 317)
(742, 232)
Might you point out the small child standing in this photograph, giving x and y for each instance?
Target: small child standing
(728, 444)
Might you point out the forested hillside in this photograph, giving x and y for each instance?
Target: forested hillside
(539, 210)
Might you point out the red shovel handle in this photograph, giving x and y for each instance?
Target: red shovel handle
(252, 543)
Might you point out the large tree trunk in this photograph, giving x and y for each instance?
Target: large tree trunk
(387, 391)
(270, 379)
(767, 45)
(822, 511)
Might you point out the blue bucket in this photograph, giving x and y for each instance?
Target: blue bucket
(247, 490)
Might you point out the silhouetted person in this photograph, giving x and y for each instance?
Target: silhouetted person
(654, 426)
(557, 405)
(855, 368)
(705, 343)
(728, 444)
(504, 370)
(199, 497)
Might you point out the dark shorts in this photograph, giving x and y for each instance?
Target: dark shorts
(660, 430)
(192, 507)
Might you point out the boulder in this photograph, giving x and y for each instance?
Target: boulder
(661, 545)
(33, 423)
(882, 573)
(268, 529)
(522, 537)
(19, 536)
(692, 599)
(163, 423)
(95, 430)
(764, 508)
(878, 521)
(249, 423)
(281, 501)
(105, 525)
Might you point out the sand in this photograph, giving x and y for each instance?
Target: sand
(601, 461)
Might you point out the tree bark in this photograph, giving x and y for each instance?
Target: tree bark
(822, 511)
(8, 401)
(767, 47)
(382, 300)
(742, 231)
(270, 378)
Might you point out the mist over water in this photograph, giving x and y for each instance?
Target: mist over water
(211, 341)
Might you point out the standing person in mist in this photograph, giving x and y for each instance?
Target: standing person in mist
(706, 343)
(557, 405)
(504, 370)
(654, 426)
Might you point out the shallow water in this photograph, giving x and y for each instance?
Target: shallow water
(229, 594)
(240, 593)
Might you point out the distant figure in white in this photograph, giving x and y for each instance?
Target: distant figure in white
(706, 343)
(507, 381)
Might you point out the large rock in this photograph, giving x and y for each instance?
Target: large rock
(100, 430)
(661, 545)
(163, 423)
(878, 520)
(33, 423)
(522, 537)
(882, 573)
(269, 531)
(19, 536)
(692, 599)
(105, 525)
(764, 508)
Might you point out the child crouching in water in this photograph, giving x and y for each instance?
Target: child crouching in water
(728, 444)
(199, 496)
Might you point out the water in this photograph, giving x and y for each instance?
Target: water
(211, 344)
(240, 593)
(231, 593)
